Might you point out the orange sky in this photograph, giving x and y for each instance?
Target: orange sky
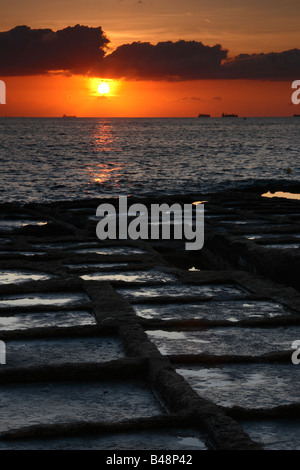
(55, 96)
(249, 26)
(239, 25)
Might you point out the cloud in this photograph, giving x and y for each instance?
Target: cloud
(272, 66)
(181, 60)
(26, 51)
(190, 60)
(82, 50)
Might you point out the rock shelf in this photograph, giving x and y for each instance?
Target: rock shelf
(138, 344)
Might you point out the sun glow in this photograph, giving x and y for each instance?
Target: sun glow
(103, 89)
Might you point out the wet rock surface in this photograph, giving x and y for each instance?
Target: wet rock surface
(274, 434)
(143, 345)
(177, 439)
(63, 319)
(62, 350)
(249, 386)
(229, 311)
(92, 401)
(224, 341)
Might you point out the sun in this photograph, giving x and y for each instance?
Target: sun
(103, 89)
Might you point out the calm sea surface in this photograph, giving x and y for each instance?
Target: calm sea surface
(46, 159)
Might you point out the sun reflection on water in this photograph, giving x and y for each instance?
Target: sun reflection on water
(105, 173)
(104, 138)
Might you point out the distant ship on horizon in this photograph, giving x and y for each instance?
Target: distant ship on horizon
(225, 115)
(296, 115)
(66, 116)
(203, 115)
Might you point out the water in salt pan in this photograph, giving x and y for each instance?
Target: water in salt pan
(218, 216)
(281, 246)
(10, 225)
(20, 353)
(157, 439)
(58, 299)
(233, 311)
(55, 403)
(22, 253)
(282, 194)
(96, 265)
(275, 434)
(130, 276)
(184, 290)
(257, 236)
(61, 245)
(241, 222)
(246, 385)
(112, 250)
(61, 319)
(224, 340)
(18, 277)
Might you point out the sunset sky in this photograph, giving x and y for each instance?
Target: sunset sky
(158, 57)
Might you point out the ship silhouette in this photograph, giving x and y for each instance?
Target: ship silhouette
(225, 115)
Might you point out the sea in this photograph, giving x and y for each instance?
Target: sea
(56, 159)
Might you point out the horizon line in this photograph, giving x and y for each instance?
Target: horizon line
(143, 117)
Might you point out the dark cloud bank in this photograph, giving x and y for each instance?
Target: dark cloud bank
(83, 50)
(26, 51)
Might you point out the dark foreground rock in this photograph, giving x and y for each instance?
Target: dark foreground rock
(143, 345)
